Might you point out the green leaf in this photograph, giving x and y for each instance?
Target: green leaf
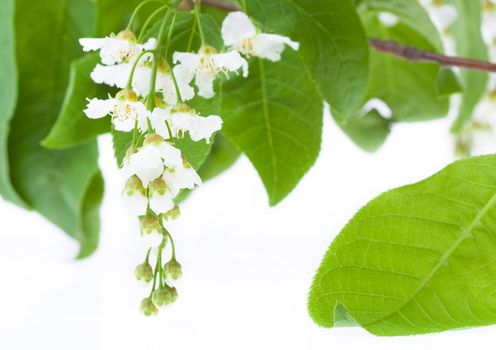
(56, 183)
(412, 14)
(112, 15)
(448, 83)
(223, 155)
(275, 118)
(72, 126)
(368, 131)
(417, 259)
(8, 96)
(334, 48)
(469, 42)
(409, 89)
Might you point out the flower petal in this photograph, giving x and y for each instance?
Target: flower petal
(236, 27)
(161, 204)
(116, 75)
(97, 108)
(170, 155)
(136, 203)
(147, 164)
(92, 44)
(270, 46)
(180, 178)
(205, 85)
(231, 61)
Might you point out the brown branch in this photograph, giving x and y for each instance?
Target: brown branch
(393, 48)
(413, 54)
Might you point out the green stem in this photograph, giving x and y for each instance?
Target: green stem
(148, 255)
(198, 20)
(135, 64)
(176, 86)
(136, 11)
(148, 21)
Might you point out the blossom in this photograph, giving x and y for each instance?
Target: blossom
(149, 161)
(161, 198)
(181, 177)
(117, 49)
(134, 196)
(489, 23)
(387, 19)
(182, 119)
(124, 109)
(239, 33)
(151, 230)
(204, 67)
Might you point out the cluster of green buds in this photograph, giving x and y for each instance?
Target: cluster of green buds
(160, 278)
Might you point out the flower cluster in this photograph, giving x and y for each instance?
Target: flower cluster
(152, 106)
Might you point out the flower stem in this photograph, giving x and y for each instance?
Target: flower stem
(148, 21)
(135, 64)
(137, 10)
(198, 20)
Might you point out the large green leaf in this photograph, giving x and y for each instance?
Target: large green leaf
(112, 16)
(469, 43)
(275, 118)
(409, 89)
(8, 95)
(417, 259)
(334, 48)
(73, 127)
(58, 184)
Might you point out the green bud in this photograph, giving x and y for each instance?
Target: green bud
(173, 214)
(127, 94)
(134, 184)
(153, 140)
(158, 185)
(147, 307)
(173, 269)
(127, 35)
(144, 272)
(150, 223)
(164, 296)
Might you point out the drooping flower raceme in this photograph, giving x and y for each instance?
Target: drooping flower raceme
(205, 66)
(239, 33)
(151, 109)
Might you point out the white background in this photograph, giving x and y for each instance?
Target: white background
(247, 267)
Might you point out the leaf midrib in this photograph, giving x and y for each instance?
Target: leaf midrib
(464, 234)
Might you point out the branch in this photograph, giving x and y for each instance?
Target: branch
(412, 54)
(222, 5)
(390, 47)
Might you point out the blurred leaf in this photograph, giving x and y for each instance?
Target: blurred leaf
(334, 48)
(8, 96)
(55, 183)
(112, 15)
(417, 259)
(275, 117)
(409, 89)
(72, 126)
(469, 43)
(448, 83)
(412, 14)
(368, 131)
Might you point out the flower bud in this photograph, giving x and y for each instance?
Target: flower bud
(173, 269)
(151, 230)
(164, 296)
(126, 95)
(207, 50)
(158, 185)
(183, 108)
(172, 214)
(134, 196)
(153, 140)
(127, 35)
(144, 272)
(147, 307)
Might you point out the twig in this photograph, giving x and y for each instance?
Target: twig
(412, 54)
(213, 3)
(393, 48)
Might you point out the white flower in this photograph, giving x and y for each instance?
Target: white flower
(489, 23)
(151, 231)
(182, 119)
(442, 15)
(148, 163)
(117, 49)
(161, 198)
(125, 110)
(181, 177)
(205, 66)
(239, 33)
(134, 196)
